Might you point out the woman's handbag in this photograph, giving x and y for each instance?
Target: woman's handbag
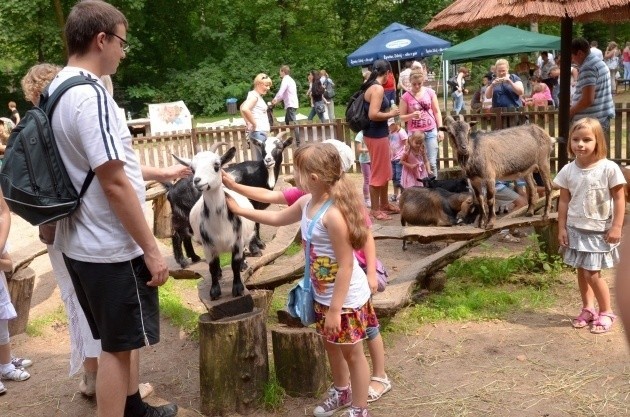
(300, 300)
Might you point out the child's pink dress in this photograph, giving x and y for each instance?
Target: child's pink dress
(413, 177)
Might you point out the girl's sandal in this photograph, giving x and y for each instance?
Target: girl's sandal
(373, 394)
(603, 326)
(379, 215)
(586, 317)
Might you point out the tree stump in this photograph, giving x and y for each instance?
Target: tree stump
(262, 300)
(21, 290)
(548, 238)
(300, 361)
(233, 363)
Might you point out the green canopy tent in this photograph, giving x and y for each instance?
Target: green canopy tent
(501, 41)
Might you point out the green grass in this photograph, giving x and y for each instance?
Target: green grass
(273, 394)
(485, 288)
(36, 327)
(173, 307)
(293, 248)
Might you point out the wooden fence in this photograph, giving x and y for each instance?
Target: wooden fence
(158, 150)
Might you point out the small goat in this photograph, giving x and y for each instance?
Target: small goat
(435, 207)
(182, 196)
(263, 174)
(506, 154)
(212, 224)
(457, 185)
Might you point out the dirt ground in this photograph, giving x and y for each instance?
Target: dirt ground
(530, 364)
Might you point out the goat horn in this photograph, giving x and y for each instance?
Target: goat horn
(216, 145)
(281, 134)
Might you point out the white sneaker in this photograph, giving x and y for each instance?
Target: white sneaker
(15, 374)
(368, 203)
(21, 362)
(2, 388)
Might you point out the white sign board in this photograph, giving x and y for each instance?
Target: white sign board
(169, 117)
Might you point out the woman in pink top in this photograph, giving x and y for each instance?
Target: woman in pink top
(420, 109)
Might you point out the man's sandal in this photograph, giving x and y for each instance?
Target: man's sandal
(586, 317)
(604, 326)
(373, 394)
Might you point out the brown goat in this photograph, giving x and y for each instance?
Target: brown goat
(435, 207)
(506, 154)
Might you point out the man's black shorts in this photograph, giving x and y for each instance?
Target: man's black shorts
(122, 311)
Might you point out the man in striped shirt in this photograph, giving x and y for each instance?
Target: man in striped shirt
(592, 96)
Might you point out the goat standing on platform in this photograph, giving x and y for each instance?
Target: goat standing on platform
(506, 154)
(213, 224)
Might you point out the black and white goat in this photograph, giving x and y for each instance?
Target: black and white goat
(212, 224)
(263, 174)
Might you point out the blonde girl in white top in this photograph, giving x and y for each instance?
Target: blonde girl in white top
(590, 216)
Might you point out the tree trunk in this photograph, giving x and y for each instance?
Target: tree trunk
(233, 363)
(300, 361)
(21, 291)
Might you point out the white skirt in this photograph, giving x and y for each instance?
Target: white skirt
(588, 250)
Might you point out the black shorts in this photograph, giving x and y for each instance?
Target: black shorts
(122, 311)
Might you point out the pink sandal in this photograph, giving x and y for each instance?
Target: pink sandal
(586, 317)
(605, 326)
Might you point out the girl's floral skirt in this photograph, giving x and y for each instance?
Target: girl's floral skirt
(354, 323)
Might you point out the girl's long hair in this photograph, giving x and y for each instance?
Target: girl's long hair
(379, 68)
(323, 160)
(316, 88)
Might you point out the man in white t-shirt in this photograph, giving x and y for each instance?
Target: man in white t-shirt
(109, 250)
(288, 95)
(596, 51)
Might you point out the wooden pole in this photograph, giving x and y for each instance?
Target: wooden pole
(233, 363)
(21, 287)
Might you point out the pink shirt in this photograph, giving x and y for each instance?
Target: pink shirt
(424, 104)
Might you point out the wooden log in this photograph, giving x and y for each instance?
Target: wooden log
(262, 300)
(548, 238)
(233, 363)
(300, 361)
(450, 173)
(21, 290)
(162, 217)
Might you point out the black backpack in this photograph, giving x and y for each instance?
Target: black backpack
(329, 89)
(34, 180)
(357, 112)
(452, 82)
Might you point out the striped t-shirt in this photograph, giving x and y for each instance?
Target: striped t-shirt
(594, 71)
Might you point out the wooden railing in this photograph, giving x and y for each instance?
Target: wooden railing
(158, 150)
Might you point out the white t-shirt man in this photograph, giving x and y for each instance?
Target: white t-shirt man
(90, 131)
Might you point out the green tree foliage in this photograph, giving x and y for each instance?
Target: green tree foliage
(204, 51)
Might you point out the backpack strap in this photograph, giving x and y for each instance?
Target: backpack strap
(49, 102)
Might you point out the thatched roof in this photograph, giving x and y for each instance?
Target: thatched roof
(464, 14)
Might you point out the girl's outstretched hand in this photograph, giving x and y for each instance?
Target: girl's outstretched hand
(613, 235)
(332, 323)
(232, 205)
(563, 239)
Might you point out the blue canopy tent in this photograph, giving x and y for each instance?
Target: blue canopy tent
(395, 43)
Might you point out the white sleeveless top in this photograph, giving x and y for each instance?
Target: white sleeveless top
(324, 267)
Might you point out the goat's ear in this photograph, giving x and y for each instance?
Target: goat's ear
(228, 156)
(287, 142)
(183, 161)
(472, 123)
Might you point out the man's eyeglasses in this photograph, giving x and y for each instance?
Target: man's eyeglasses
(125, 44)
